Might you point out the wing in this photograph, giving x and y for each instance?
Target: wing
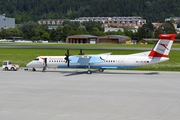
(105, 53)
(86, 59)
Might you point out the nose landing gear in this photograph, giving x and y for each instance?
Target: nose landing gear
(89, 71)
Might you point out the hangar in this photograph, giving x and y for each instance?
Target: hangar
(90, 39)
(82, 39)
(114, 39)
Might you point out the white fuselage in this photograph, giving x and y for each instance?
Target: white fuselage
(109, 61)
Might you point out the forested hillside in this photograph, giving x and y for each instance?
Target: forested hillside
(151, 10)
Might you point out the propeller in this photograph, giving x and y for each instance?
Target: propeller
(81, 53)
(44, 64)
(67, 58)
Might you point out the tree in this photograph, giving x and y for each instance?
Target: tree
(97, 32)
(178, 36)
(148, 30)
(10, 32)
(14, 32)
(166, 27)
(128, 32)
(66, 31)
(178, 25)
(90, 25)
(55, 9)
(3, 33)
(58, 34)
(29, 29)
(52, 35)
(45, 36)
(139, 34)
(135, 36)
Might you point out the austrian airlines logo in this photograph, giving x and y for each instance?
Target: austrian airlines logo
(164, 45)
(42, 58)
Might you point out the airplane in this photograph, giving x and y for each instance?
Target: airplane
(104, 61)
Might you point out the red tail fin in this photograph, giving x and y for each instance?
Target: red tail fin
(163, 46)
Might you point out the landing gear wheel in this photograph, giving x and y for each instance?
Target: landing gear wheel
(101, 70)
(89, 72)
(33, 69)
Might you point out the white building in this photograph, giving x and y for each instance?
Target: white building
(115, 21)
(106, 29)
(6, 23)
(175, 19)
(52, 21)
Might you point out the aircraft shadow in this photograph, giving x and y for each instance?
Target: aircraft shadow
(80, 72)
(112, 72)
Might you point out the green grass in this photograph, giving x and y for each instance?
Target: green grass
(84, 45)
(23, 56)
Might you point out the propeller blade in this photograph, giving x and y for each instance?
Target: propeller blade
(44, 64)
(81, 53)
(68, 51)
(68, 64)
(67, 58)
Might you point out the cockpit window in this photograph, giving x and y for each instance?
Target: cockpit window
(37, 59)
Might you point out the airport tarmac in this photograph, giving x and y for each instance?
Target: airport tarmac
(75, 95)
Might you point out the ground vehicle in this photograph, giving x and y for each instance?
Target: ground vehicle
(7, 65)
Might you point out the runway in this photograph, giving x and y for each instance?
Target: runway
(75, 95)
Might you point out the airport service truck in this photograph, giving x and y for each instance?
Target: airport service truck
(8, 66)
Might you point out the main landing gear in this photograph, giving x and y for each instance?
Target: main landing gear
(100, 70)
(90, 72)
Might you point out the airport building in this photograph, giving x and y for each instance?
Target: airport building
(114, 39)
(6, 22)
(82, 39)
(90, 39)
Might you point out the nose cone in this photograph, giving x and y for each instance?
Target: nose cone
(29, 64)
(36, 64)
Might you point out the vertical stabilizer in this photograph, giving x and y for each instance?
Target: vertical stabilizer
(163, 46)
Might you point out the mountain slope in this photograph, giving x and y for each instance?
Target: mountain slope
(152, 10)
